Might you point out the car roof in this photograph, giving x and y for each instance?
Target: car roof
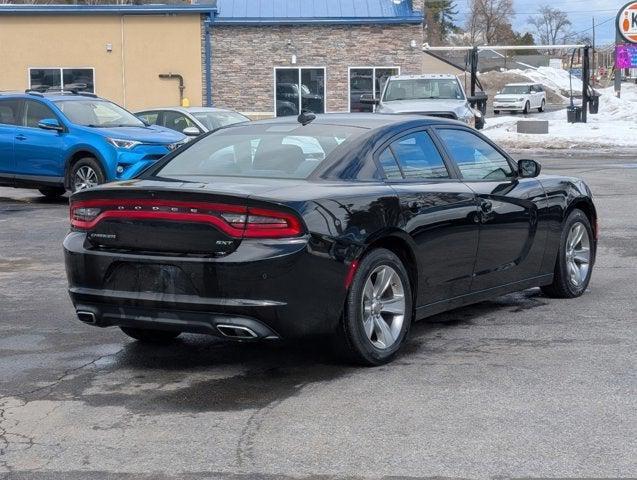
(424, 76)
(50, 96)
(521, 84)
(188, 109)
(361, 120)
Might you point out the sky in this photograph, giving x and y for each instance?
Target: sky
(580, 12)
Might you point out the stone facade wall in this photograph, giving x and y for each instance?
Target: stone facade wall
(244, 58)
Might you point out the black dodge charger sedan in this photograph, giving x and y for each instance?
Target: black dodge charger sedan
(348, 225)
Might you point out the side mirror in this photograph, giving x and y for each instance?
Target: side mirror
(191, 131)
(368, 99)
(50, 124)
(528, 168)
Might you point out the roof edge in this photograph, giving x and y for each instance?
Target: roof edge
(12, 9)
(259, 21)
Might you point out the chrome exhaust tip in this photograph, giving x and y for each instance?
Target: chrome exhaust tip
(86, 317)
(237, 332)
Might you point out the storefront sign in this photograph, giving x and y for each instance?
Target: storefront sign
(627, 22)
(626, 56)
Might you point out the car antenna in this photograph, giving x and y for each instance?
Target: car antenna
(306, 117)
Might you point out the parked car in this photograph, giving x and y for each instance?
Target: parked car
(72, 141)
(435, 95)
(287, 99)
(520, 97)
(191, 121)
(401, 218)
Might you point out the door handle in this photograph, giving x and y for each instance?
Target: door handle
(486, 206)
(416, 206)
(20, 137)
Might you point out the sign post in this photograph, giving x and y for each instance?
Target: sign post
(625, 42)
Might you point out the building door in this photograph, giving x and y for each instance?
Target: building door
(298, 89)
(367, 80)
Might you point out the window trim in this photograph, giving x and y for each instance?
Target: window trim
(450, 166)
(299, 68)
(447, 155)
(23, 114)
(61, 69)
(349, 83)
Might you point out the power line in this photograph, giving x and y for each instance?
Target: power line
(570, 12)
(590, 28)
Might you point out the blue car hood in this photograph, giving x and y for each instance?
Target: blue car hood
(152, 134)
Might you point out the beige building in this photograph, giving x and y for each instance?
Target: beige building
(116, 52)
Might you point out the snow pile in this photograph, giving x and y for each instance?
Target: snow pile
(614, 126)
(554, 78)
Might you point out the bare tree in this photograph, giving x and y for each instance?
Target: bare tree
(488, 19)
(552, 24)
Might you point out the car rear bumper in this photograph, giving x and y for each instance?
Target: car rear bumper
(508, 106)
(275, 290)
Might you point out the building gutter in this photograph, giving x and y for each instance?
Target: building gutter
(207, 24)
(259, 21)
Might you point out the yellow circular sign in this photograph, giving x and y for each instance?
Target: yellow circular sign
(627, 22)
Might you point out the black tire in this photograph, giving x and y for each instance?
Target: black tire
(562, 287)
(496, 112)
(52, 192)
(542, 106)
(150, 336)
(355, 342)
(80, 166)
(527, 108)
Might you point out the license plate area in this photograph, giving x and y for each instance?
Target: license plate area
(151, 278)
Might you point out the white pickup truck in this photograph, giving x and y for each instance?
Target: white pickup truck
(437, 95)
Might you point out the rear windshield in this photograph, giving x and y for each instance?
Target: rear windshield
(260, 151)
(214, 120)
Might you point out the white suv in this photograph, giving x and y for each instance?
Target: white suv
(520, 97)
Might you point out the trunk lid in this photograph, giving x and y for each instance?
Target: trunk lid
(177, 218)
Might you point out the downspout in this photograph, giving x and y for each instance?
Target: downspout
(208, 57)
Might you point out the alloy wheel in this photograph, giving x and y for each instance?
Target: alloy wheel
(85, 177)
(383, 307)
(578, 254)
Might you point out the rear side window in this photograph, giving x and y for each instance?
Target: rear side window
(10, 111)
(476, 159)
(35, 112)
(417, 157)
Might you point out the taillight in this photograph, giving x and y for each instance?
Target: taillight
(236, 221)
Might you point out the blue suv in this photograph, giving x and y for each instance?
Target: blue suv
(71, 141)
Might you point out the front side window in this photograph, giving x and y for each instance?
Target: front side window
(367, 81)
(34, 112)
(476, 159)
(10, 111)
(418, 157)
(298, 89)
(423, 89)
(57, 79)
(260, 151)
(97, 113)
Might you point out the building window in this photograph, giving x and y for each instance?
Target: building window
(367, 80)
(297, 89)
(56, 79)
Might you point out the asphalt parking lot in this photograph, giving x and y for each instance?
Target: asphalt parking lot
(522, 386)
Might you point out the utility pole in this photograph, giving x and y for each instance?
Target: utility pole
(593, 59)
